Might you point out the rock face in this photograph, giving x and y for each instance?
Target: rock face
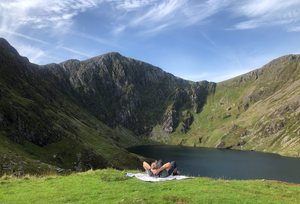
(220, 145)
(21, 79)
(120, 90)
(169, 120)
(273, 128)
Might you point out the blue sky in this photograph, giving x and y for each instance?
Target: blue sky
(197, 40)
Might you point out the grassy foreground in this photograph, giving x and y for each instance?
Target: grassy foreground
(112, 186)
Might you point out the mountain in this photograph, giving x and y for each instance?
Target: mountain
(257, 111)
(44, 127)
(80, 115)
(131, 93)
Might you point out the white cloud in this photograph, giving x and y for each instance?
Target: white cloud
(294, 29)
(97, 39)
(255, 8)
(134, 4)
(75, 51)
(197, 13)
(118, 29)
(159, 13)
(36, 16)
(57, 15)
(23, 36)
(33, 53)
(154, 16)
(151, 16)
(155, 29)
(263, 13)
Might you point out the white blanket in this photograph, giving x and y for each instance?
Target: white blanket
(145, 177)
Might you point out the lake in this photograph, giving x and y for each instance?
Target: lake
(225, 164)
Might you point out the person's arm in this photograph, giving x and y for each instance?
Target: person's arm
(165, 166)
(146, 165)
(155, 171)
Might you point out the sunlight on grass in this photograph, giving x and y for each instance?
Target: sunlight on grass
(113, 186)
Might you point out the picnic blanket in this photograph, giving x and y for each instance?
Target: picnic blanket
(145, 177)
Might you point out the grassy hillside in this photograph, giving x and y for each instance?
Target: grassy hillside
(95, 146)
(43, 127)
(112, 186)
(256, 111)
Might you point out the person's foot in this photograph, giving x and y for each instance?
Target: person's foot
(176, 173)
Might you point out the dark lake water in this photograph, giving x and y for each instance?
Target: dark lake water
(225, 164)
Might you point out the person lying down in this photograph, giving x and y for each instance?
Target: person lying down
(161, 171)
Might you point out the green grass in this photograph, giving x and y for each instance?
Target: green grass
(112, 186)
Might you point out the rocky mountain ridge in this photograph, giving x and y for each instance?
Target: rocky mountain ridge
(120, 90)
(257, 111)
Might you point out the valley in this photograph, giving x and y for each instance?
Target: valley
(81, 115)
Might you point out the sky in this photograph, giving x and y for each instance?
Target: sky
(197, 40)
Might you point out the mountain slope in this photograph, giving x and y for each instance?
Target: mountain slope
(41, 119)
(256, 111)
(120, 90)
